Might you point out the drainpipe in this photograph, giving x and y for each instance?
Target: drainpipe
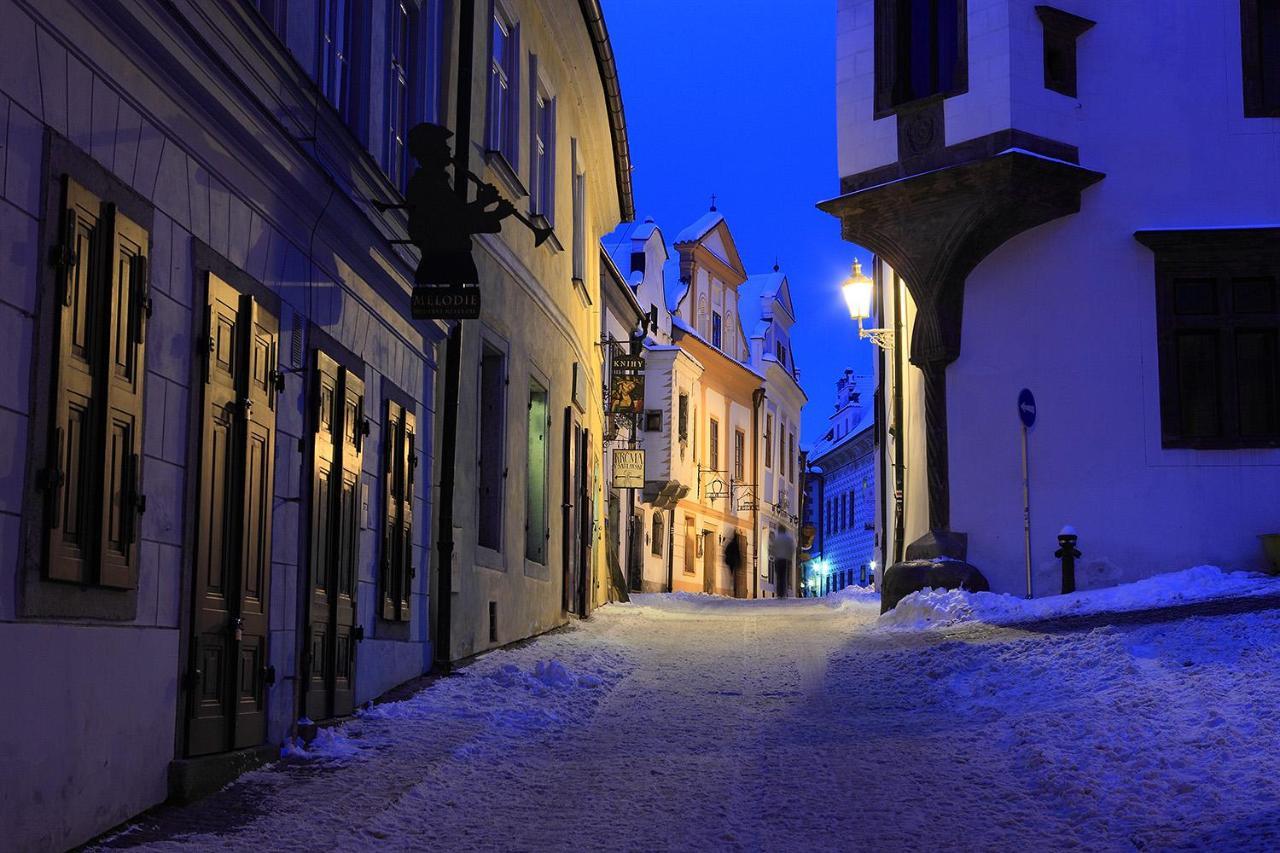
(757, 400)
(453, 358)
(671, 546)
(899, 440)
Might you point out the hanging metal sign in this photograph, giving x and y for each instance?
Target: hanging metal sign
(446, 302)
(628, 468)
(626, 394)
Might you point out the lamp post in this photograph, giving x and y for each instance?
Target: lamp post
(857, 292)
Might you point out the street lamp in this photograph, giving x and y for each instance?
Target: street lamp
(857, 290)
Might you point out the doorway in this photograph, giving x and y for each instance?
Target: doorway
(708, 563)
(228, 670)
(337, 447)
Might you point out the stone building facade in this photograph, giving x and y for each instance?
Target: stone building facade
(217, 485)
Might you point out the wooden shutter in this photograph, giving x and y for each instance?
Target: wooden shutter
(393, 428)
(326, 423)
(126, 311)
(216, 546)
(70, 477)
(257, 478)
(407, 464)
(348, 481)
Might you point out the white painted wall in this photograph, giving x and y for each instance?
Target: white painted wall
(1068, 310)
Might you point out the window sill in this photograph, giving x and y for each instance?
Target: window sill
(536, 570)
(488, 558)
(507, 176)
(916, 103)
(580, 287)
(540, 221)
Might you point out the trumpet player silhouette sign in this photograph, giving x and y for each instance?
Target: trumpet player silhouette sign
(441, 225)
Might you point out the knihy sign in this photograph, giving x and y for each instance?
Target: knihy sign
(628, 469)
(623, 363)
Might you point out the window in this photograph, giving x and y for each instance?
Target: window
(536, 531)
(579, 215)
(93, 477)
(275, 13)
(739, 455)
(782, 450)
(542, 146)
(655, 535)
(715, 445)
(780, 351)
(921, 50)
(1061, 29)
(844, 511)
(637, 261)
(683, 417)
(339, 62)
(768, 440)
(1218, 332)
(1260, 43)
(400, 438)
(492, 447)
(717, 329)
(504, 109)
(791, 457)
(831, 516)
(402, 49)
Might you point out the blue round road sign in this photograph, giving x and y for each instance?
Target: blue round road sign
(1027, 407)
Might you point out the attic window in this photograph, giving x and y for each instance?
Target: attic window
(1061, 29)
(637, 261)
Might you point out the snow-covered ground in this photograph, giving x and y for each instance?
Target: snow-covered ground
(693, 722)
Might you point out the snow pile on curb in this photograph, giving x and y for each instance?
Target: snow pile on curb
(936, 608)
(853, 598)
(507, 694)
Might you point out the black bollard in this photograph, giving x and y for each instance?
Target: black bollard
(1067, 552)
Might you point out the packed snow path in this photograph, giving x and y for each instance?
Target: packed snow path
(696, 723)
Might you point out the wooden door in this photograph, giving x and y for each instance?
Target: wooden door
(568, 539)
(708, 562)
(229, 627)
(338, 430)
(585, 521)
(635, 552)
(399, 463)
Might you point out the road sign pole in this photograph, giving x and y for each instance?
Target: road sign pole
(1026, 508)
(1026, 414)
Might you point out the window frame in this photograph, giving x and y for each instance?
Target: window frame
(887, 48)
(542, 144)
(502, 115)
(348, 99)
(1258, 101)
(539, 555)
(739, 455)
(713, 443)
(1222, 255)
(492, 348)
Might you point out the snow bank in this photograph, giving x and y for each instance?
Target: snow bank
(935, 608)
(853, 598)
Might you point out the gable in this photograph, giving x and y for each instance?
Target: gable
(720, 243)
(784, 299)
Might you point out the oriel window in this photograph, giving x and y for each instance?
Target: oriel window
(920, 50)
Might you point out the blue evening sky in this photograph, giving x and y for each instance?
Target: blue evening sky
(737, 98)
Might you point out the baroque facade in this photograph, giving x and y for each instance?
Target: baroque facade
(223, 425)
(721, 428)
(988, 147)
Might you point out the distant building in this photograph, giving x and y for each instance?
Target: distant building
(721, 427)
(1057, 204)
(841, 494)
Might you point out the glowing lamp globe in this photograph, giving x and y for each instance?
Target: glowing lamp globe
(857, 293)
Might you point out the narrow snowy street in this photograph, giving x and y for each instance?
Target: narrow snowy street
(687, 722)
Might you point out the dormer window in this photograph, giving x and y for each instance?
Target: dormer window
(637, 261)
(780, 351)
(921, 50)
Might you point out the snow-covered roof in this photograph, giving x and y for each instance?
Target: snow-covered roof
(671, 283)
(829, 442)
(700, 227)
(621, 242)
